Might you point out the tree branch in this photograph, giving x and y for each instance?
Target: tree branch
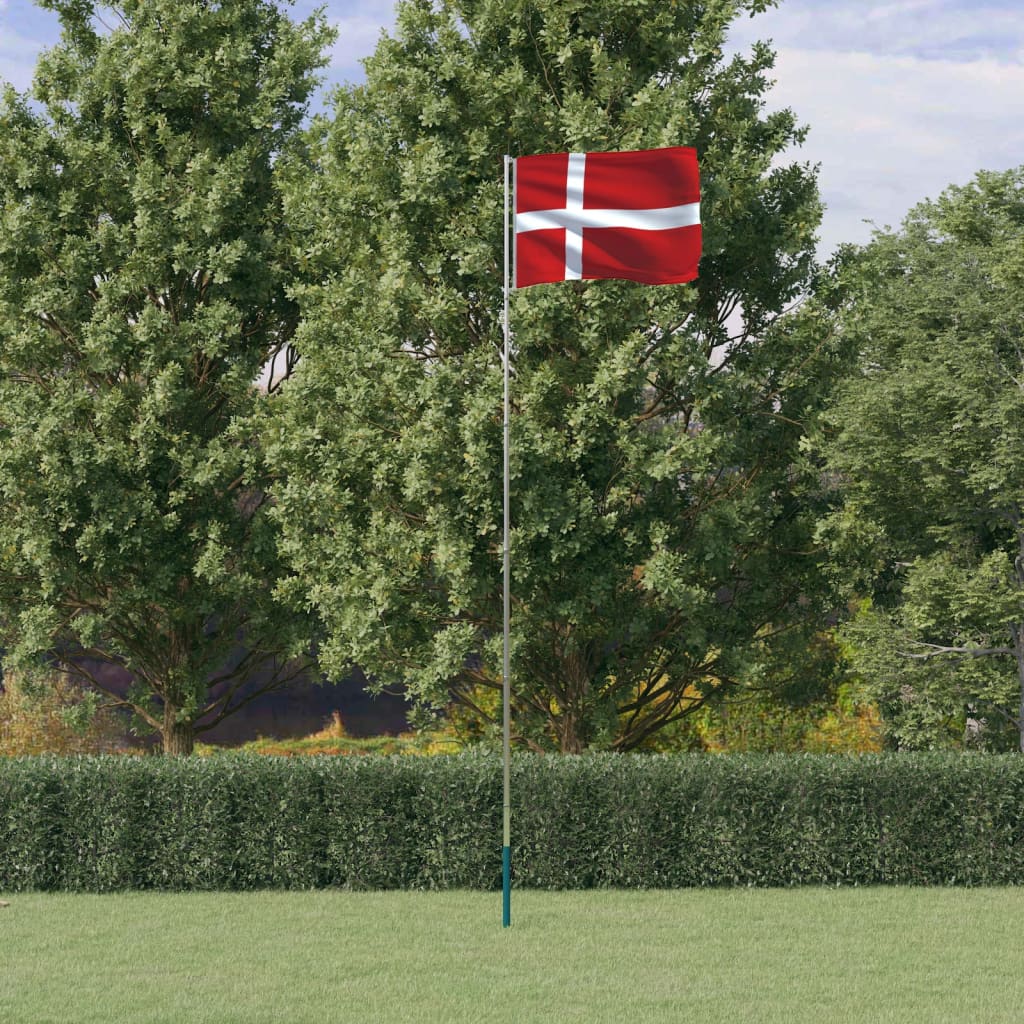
(939, 650)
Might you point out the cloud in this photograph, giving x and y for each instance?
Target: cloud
(941, 29)
(902, 99)
(358, 31)
(25, 31)
(17, 57)
(357, 39)
(890, 132)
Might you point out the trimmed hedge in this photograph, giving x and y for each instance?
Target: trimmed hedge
(242, 822)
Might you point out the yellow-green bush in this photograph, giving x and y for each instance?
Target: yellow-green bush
(760, 723)
(52, 717)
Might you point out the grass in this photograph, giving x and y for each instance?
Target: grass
(333, 739)
(847, 955)
(308, 745)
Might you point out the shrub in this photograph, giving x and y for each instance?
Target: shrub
(53, 716)
(758, 722)
(244, 822)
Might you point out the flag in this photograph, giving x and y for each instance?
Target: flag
(633, 215)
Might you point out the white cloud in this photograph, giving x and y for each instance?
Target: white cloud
(358, 31)
(17, 57)
(883, 11)
(892, 131)
(903, 98)
(357, 39)
(943, 29)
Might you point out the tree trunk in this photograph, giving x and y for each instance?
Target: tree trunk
(569, 739)
(974, 729)
(1018, 634)
(1018, 650)
(179, 737)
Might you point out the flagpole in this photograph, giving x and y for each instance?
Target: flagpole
(506, 806)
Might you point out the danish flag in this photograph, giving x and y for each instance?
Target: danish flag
(633, 215)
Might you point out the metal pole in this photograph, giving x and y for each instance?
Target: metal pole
(506, 807)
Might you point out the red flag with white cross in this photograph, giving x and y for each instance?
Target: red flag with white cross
(584, 216)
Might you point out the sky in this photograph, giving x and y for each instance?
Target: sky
(903, 98)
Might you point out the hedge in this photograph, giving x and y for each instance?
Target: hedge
(245, 822)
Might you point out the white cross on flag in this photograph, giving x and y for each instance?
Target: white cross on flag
(633, 215)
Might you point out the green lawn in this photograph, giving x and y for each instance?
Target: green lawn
(815, 955)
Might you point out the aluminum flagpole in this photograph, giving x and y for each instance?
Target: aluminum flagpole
(506, 848)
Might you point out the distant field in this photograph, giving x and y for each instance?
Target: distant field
(737, 956)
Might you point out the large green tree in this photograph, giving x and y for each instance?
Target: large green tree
(142, 288)
(927, 440)
(661, 546)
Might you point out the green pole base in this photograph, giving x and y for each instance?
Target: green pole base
(506, 886)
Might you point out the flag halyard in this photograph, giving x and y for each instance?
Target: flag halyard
(584, 216)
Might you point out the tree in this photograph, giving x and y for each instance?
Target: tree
(927, 439)
(661, 516)
(142, 288)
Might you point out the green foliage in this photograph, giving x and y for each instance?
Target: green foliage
(762, 722)
(661, 508)
(926, 438)
(53, 716)
(600, 820)
(142, 288)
